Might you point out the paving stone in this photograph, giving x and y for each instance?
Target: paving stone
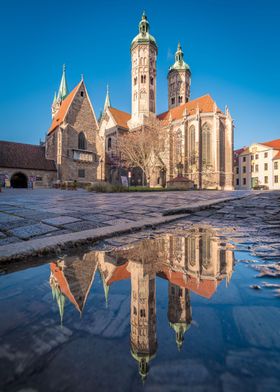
(60, 220)
(8, 218)
(120, 221)
(26, 232)
(9, 240)
(84, 225)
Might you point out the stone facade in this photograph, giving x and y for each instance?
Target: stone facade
(198, 135)
(39, 178)
(74, 144)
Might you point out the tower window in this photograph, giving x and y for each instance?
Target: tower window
(109, 143)
(143, 78)
(82, 93)
(81, 141)
(180, 99)
(152, 81)
(142, 313)
(135, 81)
(172, 101)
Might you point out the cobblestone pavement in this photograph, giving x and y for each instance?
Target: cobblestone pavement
(252, 223)
(42, 213)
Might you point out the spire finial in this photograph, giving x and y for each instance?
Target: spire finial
(63, 89)
(144, 16)
(82, 76)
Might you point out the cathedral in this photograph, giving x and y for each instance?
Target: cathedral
(199, 136)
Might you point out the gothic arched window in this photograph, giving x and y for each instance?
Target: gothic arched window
(206, 144)
(82, 145)
(192, 143)
(179, 145)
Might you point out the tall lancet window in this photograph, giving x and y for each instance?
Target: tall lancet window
(206, 145)
(178, 146)
(82, 143)
(192, 144)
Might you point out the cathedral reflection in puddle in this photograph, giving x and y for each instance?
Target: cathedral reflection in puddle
(197, 261)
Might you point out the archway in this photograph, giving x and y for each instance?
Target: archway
(19, 180)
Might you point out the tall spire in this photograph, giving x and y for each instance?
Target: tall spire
(54, 99)
(107, 103)
(63, 89)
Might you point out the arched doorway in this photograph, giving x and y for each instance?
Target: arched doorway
(19, 180)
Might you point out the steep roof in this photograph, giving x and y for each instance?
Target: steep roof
(120, 117)
(205, 104)
(24, 156)
(277, 156)
(63, 110)
(273, 144)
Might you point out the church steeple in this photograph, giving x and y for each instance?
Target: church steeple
(143, 51)
(107, 103)
(179, 80)
(63, 89)
(62, 93)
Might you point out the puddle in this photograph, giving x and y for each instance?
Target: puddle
(176, 312)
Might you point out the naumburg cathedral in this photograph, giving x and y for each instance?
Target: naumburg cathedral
(199, 143)
(198, 136)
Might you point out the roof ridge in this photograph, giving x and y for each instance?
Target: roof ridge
(56, 120)
(26, 144)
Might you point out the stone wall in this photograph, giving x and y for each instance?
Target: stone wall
(44, 178)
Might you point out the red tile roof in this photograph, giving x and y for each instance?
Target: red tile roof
(63, 284)
(24, 156)
(63, 110)
(277, 156)
(273, 143)
(205, 104)
(120, 117)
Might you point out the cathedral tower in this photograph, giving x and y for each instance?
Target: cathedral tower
(179, 80)
(179, 311)
(143, 316)
(143, 73)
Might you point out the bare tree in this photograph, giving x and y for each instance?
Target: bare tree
(143, 148)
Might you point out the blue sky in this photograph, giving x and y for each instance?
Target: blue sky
(232, 48)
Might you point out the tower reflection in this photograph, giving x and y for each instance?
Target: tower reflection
(194, 262)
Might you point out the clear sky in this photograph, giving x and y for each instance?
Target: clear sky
(232, 48)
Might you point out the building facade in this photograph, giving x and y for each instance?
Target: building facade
(72, 141)
(199, 136)
(258, 166)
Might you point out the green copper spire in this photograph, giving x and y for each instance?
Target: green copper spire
(107, 103)
(63, 89)
(105, 287)
(144, 35)
(54, 99)
(179, 60)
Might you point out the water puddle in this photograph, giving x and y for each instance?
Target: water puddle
(176, 312)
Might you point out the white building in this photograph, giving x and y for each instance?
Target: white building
(258, 165)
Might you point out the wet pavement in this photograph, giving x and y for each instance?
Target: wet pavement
(170, 309)
(29, 214)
